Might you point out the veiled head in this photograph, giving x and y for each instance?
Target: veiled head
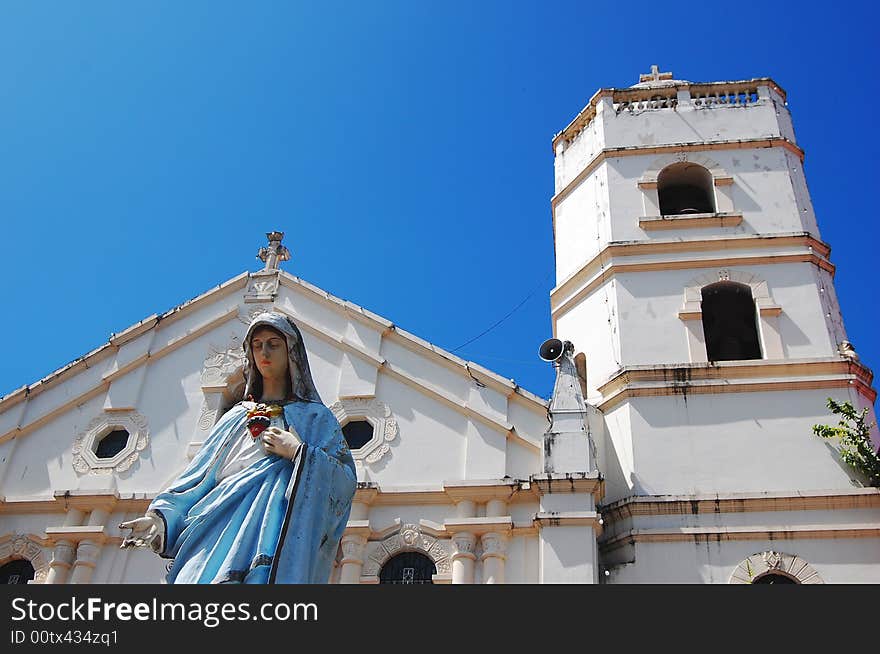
(258, 347)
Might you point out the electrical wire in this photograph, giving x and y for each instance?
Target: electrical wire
(509, 313)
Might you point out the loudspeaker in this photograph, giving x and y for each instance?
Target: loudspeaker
(551, 349)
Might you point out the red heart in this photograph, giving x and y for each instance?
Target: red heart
(257, 428)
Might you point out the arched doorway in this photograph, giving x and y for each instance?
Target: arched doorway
(17, 571)
(408, 568)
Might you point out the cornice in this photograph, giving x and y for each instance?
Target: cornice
(478, 526)
(606, 264)
(61, 502)
(735, 377)
(757, 532)
(569, 482)
(95, 534)
(671, 148)
(630, 94)
(819, 500)
(110, 376)
(116, 340)
(544, 520)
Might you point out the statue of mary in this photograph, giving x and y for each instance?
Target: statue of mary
(267, 497)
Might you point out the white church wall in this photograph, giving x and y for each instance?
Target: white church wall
(691, 125)
(732, 442)
(485, 452)
(521, 566)
(581, 224)
(573, 157)
(616, 451)
(649, 304)
(802, 194)
(424, 371)
(431, 443)
(761, 192)
(41, 461)
(590, 326)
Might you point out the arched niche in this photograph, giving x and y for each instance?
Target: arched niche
(667, 179)
(767, 310)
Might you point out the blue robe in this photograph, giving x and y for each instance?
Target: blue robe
(275, 521)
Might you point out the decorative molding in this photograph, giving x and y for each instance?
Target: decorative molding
(652, 174)
(207, 418)
(409, 538)
(352, 547)
(102, 386)
(91, 533)
(771, 561)
(671, 148)
(247, 314)
(222, 361)
(648, 93)
(92, 358)
(263, 287)
(493, 544)
(84, 459)
(378, 414)
(657, 505)
(478, 526)
(718, 377)
(603, 265)
(20, 546)
(755, 532)
(464, 546)
(693, 292)
(128, 503)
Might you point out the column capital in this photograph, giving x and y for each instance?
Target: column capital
(62, 555)
(464, 546)
(87, 553)
(353, 548)
(494, 545)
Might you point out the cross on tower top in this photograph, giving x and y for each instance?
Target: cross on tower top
(654, 76)
(274, 253)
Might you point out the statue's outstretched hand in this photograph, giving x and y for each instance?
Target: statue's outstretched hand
(280, 442)
(147, 531)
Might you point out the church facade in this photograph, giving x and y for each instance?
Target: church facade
(698, 338)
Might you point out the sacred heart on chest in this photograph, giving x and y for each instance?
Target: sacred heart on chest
(260, 417)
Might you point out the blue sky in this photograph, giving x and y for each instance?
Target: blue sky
(145, 149)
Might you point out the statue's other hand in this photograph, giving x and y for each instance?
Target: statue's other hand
(145, 532)
(281, 442)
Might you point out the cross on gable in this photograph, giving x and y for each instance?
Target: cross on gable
(654, 76)
(275, 252)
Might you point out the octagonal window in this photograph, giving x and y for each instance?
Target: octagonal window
(357, 433)
(111, 444)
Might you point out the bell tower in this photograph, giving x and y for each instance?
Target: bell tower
(691, 273)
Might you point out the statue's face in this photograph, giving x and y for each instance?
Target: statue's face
(270, 353)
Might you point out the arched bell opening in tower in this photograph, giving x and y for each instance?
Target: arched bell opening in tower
(730, 322)
(685, 188)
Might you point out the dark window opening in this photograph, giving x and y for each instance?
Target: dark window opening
(685, 188)
(357, 433)
(408, 568)
(18, 571)
(729, 322)
(111, 444)
(774, 578)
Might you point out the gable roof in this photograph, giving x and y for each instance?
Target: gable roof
(466, 368)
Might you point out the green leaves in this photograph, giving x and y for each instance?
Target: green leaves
(854, 439)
